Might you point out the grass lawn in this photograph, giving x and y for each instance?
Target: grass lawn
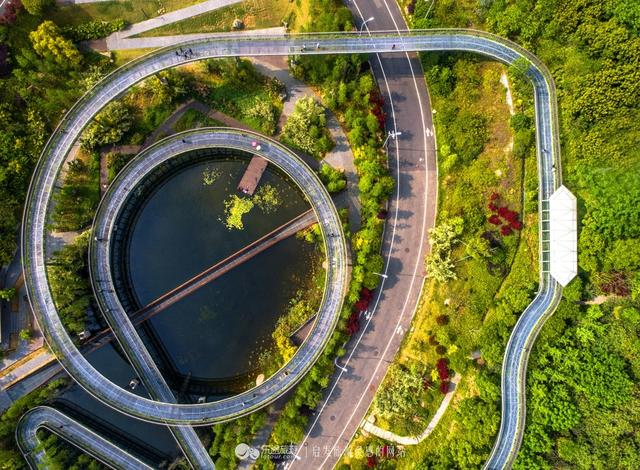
(126, 55)
(129, 10)
(193, 119)
(256, 14)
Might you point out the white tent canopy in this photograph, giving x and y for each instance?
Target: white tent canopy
(563, 227)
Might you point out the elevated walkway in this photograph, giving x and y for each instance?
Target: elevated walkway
(73, 432)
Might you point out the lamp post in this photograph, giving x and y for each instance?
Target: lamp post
(365, 22)
(392, 135)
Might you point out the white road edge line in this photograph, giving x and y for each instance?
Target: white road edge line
(364, 330)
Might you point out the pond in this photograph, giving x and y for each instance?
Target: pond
(174, 228)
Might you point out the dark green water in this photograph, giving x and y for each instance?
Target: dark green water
(218, 330)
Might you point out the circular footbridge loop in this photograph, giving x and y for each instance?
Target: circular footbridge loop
(149, 160)
(118, 82)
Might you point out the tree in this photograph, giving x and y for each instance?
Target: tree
(69, 281)
(109, 126)
(333, 179)
(7, 294)
(265, 114)
(442, 238)
(306, 128)
(48, 42)
(25, 334)
(478, 248)
(36, 7)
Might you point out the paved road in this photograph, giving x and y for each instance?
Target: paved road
(412, 209)
(115, 84)
(74, 432)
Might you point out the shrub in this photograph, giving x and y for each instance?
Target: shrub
(93, 30)
(442, 320)
(333, 179)
(440, 349)
(36, 7)
(306, 128)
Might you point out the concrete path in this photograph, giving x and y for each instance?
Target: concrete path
(262, 436)
(116, 41)
(371, 428)
(34, 361)
(341, 156)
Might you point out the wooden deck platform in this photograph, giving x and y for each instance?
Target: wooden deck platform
(252, 175)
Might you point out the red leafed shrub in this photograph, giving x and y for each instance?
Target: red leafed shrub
(442, 320)
(11, 9)
(511, 216)
(440, 349)
(494, 196)
(366, 293)
(495, 220)
(443, 369)
(516, 225)
(614, 283)
(361, 305)
(353, 324)
(492, 207)
(503, 212)
(382, 214)
(444, 387)
(442, 362)
(433, 341)
(506, 230)
(372, 461)
(378, 102)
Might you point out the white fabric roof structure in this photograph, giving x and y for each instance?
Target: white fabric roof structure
(563, 235)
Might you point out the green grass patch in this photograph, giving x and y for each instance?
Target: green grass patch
(255, 14)
(128, 10)
(192, 119)
(127, 55)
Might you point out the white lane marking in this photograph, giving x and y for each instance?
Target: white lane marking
(419, 257)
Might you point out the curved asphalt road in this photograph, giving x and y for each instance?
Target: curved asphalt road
(72, 431)
(119, 81)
